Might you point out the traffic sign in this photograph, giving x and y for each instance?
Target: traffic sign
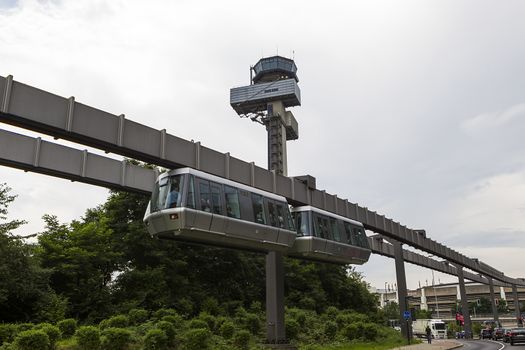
(406, 315)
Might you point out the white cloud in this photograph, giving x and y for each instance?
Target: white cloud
(385, 89)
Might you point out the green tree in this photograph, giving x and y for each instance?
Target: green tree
(23, 283)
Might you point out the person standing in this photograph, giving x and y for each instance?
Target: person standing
(429, 334)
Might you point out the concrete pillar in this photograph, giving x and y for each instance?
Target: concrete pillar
(275, 331)
(401, 287)
(516, 304)
(502, 294)
(464, 302)
(424, 305)
(493, 300)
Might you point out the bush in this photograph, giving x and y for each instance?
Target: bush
(118, 321)
(210, 305)
(331, 312)
(227, 329)
(7, 346)
(53, 332)
(137, 316)
(241, 340)
(24, 327)
(370, 331)
(155, 339)
(198, 324)
(88, 337)
(253, 323)
(8, 332)
(210, 320)
(168, 329)
(115, 338)
(330, 330)
(176, 320)
(67, 327)
(197, 339)
(352, 331)
(160, 313)
(32, 340)
(292, 328)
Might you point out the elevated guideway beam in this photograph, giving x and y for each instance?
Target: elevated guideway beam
(39, 156)
(41, 111)
(36, 155)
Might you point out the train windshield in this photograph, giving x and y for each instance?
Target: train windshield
(167, 193)
(439, 326)
(302, 223)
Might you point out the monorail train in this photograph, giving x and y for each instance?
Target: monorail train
(191, 205)
(327, 237)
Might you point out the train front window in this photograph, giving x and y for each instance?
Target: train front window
(167, 193)
(301, 222)
(191, 193)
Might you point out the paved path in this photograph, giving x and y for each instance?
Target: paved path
(437, 344)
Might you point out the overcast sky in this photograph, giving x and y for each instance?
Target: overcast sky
(414, 109)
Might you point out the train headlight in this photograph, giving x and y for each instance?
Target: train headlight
(174, 216)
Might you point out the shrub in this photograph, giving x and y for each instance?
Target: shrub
(32, 340)
(155, 339)
(8, 332)
(210, 320)
(67, 327)
(88, 337)
(197, 339)
(137, 316)
(332, 312)
(292, 328)
(198, 324)
(330, 330)
(115, 338)
(24, 326)
(370, 331)
(352, 331)
(168, 329)
(210, 305)
(241, 339)
(7, 346)
(227, 329)
(176, 320)
(118, 321)
(160, 313)
(253, 323)
(53, 332)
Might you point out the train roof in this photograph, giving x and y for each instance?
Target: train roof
(224, 181)
(327, 213)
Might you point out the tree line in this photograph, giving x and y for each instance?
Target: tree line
(105, 263)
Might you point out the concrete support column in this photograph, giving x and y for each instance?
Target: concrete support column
(516, 304)
(493, 300)
(275, 331)
(401, 286)
(424, 305)
(464, 303)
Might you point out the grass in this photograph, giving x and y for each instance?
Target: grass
(383, 345)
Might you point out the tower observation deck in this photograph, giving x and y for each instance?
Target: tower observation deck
(273, 88)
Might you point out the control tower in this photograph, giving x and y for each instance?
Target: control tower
(273, 87)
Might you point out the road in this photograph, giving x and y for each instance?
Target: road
(488, 345)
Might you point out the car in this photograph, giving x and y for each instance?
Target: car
(485, 333)
(506, 335)
(517, 335)
(498, 333)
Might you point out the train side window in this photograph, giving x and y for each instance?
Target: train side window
(258, 209)
(326, 227)
(334, 230)
(272, 213)
(349, 234)
(282, 219)
(322, 227)
(216, 194)
(190, 201)
(204, 195)
(245, 201)
(232, 202)
(360, 237)
(288, 218)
